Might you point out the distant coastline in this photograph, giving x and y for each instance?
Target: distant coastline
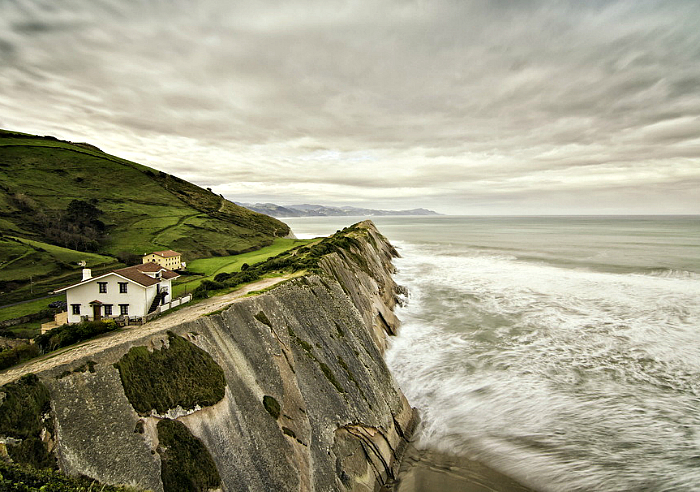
(310, 210)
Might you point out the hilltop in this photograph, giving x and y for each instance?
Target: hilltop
(63, 202)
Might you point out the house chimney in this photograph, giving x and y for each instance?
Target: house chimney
(87, 274)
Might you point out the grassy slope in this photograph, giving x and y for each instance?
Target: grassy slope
(144, 210)
(209, 267)
(21, 258)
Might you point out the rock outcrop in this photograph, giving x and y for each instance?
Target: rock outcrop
(308, 402)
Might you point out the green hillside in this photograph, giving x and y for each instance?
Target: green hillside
(63, 202)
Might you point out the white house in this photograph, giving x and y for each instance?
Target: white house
(134, 291)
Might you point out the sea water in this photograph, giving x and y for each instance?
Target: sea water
(561, 351)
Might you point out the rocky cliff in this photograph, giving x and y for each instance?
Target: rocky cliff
(286, 390)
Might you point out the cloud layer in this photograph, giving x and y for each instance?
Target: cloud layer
(461, 106)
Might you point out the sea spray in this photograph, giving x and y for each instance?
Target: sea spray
(563, 351)
(588, 379)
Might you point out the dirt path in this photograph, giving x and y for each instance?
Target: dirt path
(187, 313)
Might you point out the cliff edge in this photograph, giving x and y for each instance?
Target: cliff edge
(287, 390)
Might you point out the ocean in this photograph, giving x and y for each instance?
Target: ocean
(563, 352)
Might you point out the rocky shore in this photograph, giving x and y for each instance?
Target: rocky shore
(301, 399)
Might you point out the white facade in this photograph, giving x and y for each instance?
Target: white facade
(112, 295)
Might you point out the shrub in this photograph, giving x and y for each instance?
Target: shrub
(186, 464)
(14, 356)
(26, 403)
(260, 316)
(182, 374)
(272, 406)
(14, 477)
(69, 334)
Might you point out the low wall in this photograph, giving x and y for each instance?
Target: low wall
(168, 305)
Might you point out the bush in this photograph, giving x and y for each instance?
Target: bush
(17, 478)
(272, 406)
(22, 416)
(69, 334)
(182, 374)
(186, 464)
(16, 355)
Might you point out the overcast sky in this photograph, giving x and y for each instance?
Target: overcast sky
(465, 107)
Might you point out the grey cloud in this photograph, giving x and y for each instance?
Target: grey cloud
(439, 93)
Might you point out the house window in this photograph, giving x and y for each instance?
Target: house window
(124, 309)
(108, 309)
(75, 308)
(103, 287)
(122, 288)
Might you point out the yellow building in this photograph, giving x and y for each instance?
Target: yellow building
(167, 259)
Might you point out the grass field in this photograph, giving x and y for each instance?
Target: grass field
(11, 312)
(209, 267)
(142, 209)
(30, 268)
(32, 328)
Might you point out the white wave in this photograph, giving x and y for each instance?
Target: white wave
(670, 273)
(579, 375)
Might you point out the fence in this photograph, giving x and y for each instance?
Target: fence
(168, 305)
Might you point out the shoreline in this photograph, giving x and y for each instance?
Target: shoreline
(424, 470)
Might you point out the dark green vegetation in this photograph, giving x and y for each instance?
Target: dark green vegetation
(13, 356)
(260, 316)
(89, 366)
(25, 412)
(181, 374)
(186, 465)
(17, 478)
(59, 193)
(69, 334)
(59, 337)
(272, 406)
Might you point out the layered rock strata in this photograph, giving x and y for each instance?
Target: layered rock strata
(308, 402)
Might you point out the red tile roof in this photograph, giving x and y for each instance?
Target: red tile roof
(136, 274)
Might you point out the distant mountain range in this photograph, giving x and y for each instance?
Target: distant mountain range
(308, 210)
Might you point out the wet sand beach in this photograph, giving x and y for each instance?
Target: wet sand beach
(432, 471)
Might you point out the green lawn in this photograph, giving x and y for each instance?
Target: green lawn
(68, 255)
(11, 312)
(209, 267)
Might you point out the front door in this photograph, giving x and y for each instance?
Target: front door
(96, 312)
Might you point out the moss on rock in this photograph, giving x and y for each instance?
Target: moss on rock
(19, 478)
(272, 406)
(25, 413)
(186, 465)
(181, 374)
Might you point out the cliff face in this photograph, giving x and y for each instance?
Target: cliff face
(308, 402)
